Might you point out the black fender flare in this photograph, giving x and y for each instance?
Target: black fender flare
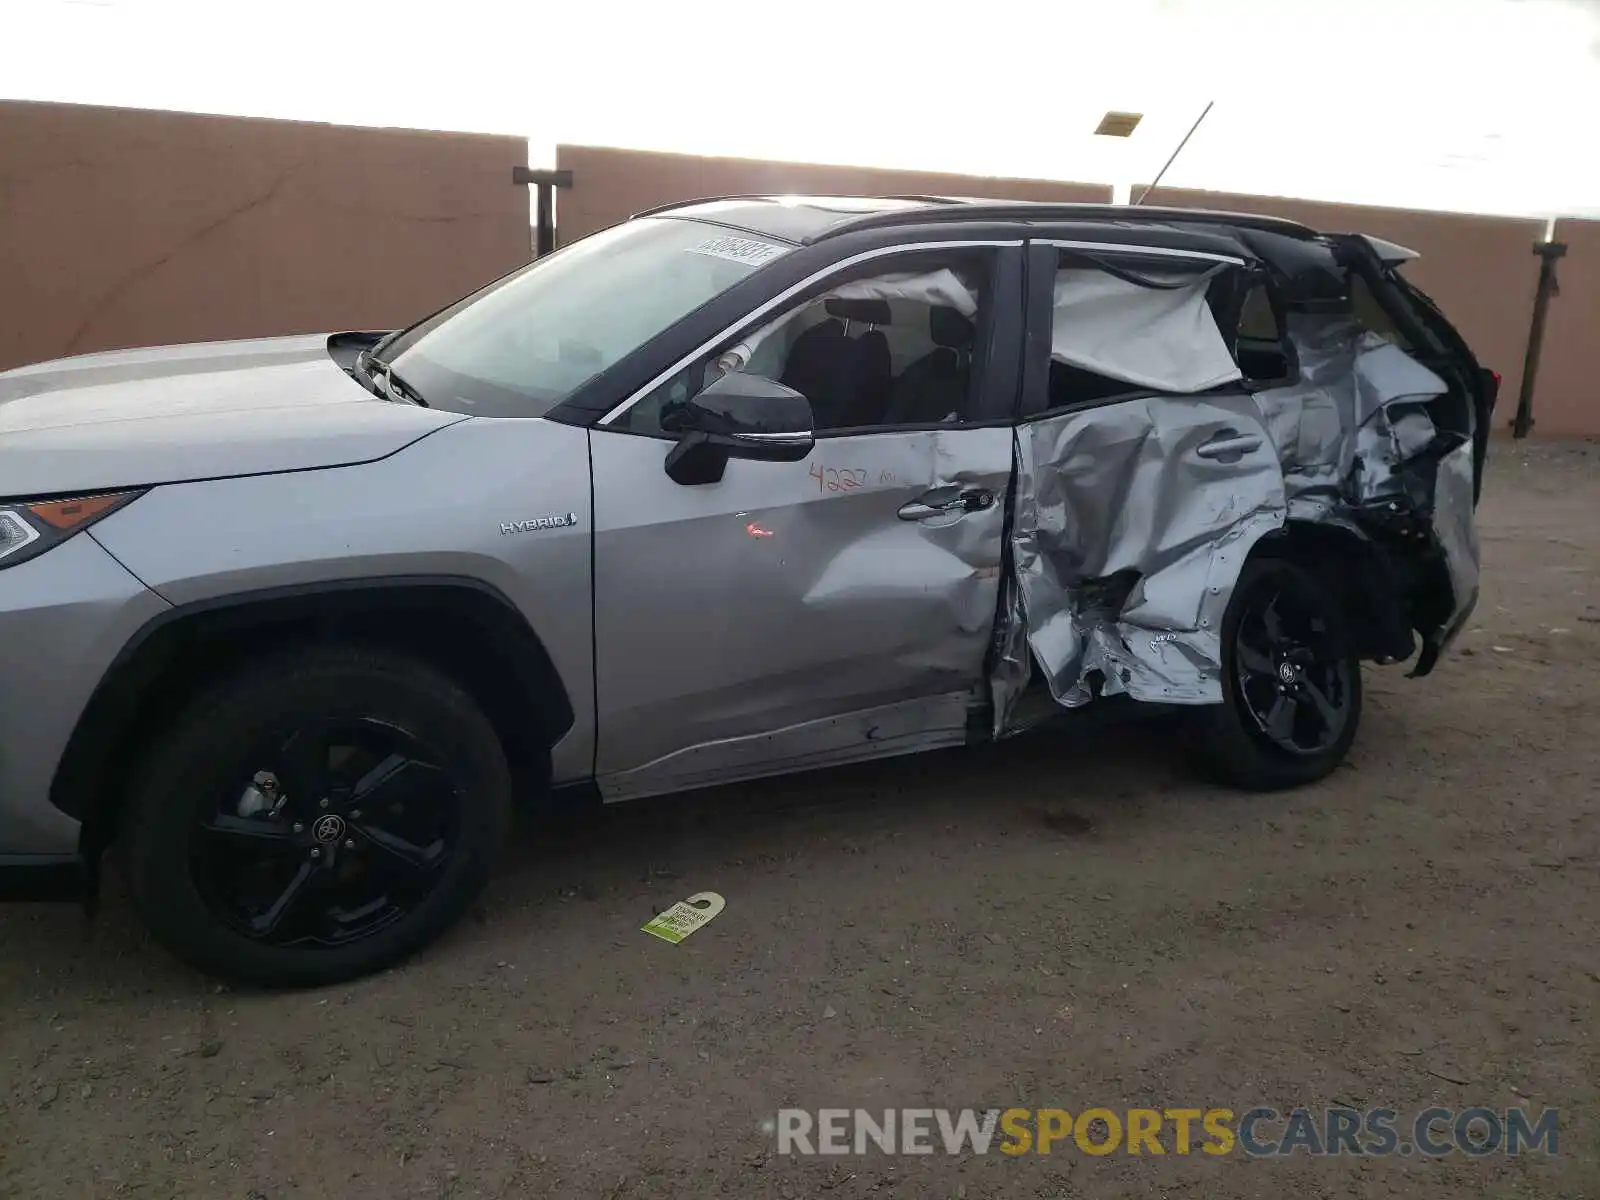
(118, 715)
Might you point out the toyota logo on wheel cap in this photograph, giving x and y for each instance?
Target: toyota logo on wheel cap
(329, 828)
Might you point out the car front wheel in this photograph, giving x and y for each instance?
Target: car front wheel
(1291, 682)
(316, 817)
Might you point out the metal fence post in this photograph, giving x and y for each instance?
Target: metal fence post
(544, 229)
(1548, 253)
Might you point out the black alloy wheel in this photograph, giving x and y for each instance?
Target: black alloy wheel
(316, 816)
(1292, 676)
(341, 829)
(1291, 682)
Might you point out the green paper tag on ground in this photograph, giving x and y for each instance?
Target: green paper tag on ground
(684, 917)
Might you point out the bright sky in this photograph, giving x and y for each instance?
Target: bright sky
(1478, 105)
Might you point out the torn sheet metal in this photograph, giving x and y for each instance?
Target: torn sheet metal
(1127, 540)
(1357, 413)
(1453, 522)
(1011, 660)
(1127, 543)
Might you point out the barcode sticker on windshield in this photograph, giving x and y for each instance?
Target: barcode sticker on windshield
(740, 250)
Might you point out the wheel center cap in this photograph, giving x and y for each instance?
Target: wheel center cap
(329, 828)
(1287, 673)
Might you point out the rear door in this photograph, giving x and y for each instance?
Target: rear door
(1146, 472)
(795, 615)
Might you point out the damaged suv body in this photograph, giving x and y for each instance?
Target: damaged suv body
(736, 488)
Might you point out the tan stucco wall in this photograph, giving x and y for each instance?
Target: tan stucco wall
(1567, 398)
(610, 185)
(121, 227)
(1480, 270)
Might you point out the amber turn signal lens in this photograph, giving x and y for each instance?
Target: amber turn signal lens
(68, 514)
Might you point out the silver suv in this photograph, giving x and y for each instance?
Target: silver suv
(736, 488)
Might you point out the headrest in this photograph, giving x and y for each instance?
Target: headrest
(873, 312)
(949, 328)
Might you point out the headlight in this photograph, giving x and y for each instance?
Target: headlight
(28, 529)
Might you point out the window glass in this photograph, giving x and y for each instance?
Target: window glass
(1262, 349)
(525, 344)
(892, 349)
(1371, 315)
(1256, 318)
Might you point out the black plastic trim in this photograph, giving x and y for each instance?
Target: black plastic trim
(1040, 213)
(1033, 397)
(1007, 333)
(74, 788)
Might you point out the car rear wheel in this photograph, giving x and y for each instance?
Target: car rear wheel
(1291, 682)
(317, 817)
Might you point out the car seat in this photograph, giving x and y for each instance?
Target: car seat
(845, 378)
(935, 386)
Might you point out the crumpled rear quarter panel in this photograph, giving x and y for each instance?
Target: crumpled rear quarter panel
(1127, 545)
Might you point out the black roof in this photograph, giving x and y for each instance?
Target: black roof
(807, 219)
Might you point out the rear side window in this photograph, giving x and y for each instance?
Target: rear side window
(1257, 321)
(1131, 327)
(1264, 353)
(1371, 315)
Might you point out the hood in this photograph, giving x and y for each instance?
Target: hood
(170, 414)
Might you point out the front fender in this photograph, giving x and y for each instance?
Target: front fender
(469, 502)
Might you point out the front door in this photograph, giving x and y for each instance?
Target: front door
(801, 614)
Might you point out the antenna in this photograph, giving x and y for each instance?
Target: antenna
(1150, 187)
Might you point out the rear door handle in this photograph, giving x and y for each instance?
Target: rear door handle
(941, 503)
(1229, 446)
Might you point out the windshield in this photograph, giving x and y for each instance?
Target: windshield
(526, 343)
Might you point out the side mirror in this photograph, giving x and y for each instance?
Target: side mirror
(737, 416)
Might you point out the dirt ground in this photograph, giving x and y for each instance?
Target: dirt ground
(1064, 921)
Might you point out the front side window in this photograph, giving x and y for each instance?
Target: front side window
(525, 344)
(895, 348)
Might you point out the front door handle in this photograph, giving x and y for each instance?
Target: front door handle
(942, 503)
(1229, 446)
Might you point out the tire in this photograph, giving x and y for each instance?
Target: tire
(204, 868)
(1235, 741)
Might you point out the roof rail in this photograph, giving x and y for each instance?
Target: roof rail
(1042, 210)
(957, 208)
